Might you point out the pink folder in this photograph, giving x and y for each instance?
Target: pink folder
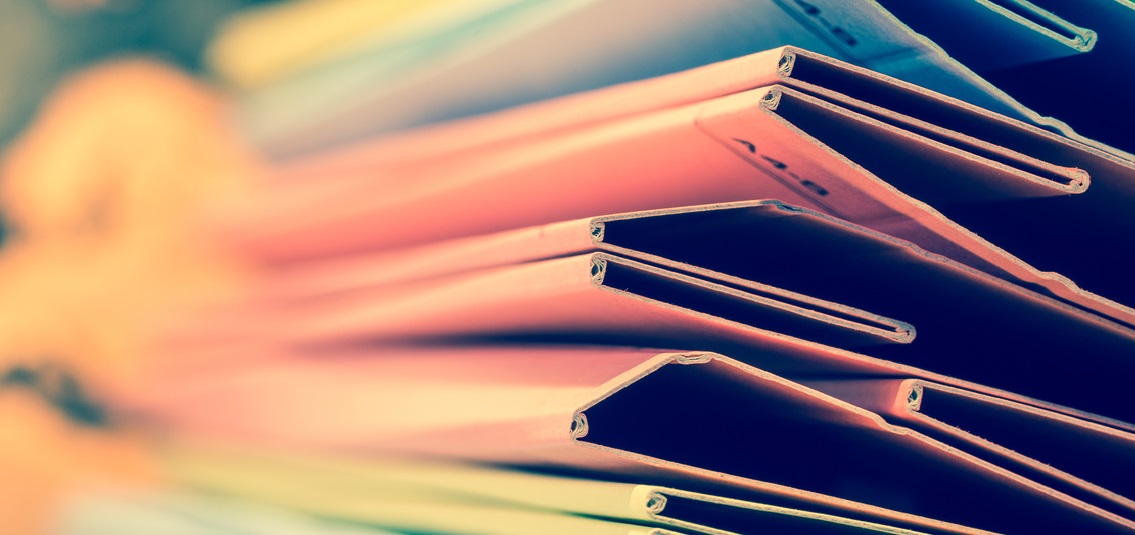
(762, 280)
(784, 124)
(704, 421)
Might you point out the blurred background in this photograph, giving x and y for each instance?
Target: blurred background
(111, 132)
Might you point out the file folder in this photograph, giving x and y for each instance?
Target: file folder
(1082, 458)
(973, 43)
(738, 278)
(387, 88)
(694, 420)
(812, 146)
(597, 297)
(790, 66)
(999, 34)
(224, 470)
(1100, 70)
(379, 90)
(106, 515)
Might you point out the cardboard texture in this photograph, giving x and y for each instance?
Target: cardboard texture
(940, 187)
(615, 411)
(761, 280)
(228, 471)
(392, 86)
(1082, 458)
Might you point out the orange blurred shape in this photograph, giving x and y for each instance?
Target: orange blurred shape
(102, 193)
(43, 457)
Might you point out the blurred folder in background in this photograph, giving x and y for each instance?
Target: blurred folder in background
(404, 57)
(312, 509)
(260, 45)
(536, 52)
(108, 511)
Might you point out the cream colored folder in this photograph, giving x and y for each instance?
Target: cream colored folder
(112, 511)
(242, 473)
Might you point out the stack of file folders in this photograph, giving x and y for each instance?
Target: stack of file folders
(777, 293)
